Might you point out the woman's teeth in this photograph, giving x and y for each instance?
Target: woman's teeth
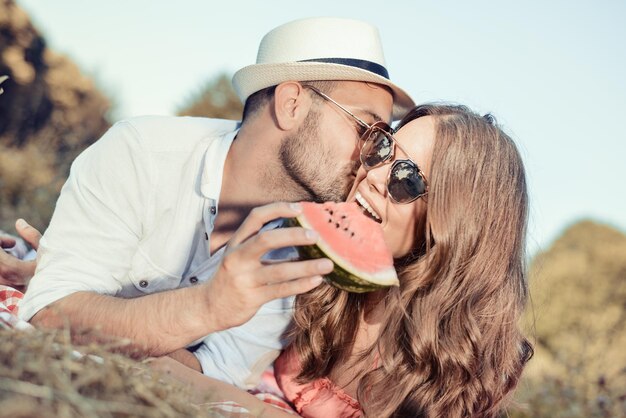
(367, 206)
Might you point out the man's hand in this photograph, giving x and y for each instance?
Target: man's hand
(13, 271)
(242, 284)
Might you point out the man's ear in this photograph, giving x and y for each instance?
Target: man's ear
(291, 104)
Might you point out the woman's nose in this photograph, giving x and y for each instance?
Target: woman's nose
(377, 178)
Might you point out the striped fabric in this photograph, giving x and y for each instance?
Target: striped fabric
(9, 305)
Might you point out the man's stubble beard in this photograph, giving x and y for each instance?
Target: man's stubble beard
(310, 166)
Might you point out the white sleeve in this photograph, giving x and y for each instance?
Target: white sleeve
(97, 222)
(240, 355)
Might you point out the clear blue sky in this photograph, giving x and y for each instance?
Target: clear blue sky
(553, 72)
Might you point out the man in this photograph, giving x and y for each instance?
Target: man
(138, 215)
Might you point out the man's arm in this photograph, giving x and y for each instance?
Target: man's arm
(161, 323)
(155, 325)
(97, 223)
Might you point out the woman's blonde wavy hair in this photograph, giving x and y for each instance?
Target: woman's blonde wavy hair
(450, 344)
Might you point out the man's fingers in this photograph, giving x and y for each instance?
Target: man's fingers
(28, 233)
(7, 242)
(262, 215)
(266, 241)
(15, 272)
(284, 272)
(7, 261)
(290, 288)
(10, 273)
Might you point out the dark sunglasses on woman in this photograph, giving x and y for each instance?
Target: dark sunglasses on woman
(406, 182)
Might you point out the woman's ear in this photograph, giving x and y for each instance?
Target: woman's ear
(291, 105)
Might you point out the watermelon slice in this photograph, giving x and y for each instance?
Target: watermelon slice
(353, 241)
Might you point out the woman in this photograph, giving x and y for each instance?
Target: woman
(450, 191)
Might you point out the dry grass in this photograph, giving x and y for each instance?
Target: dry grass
(42, 375)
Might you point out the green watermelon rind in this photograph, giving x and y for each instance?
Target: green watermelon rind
(339, 277)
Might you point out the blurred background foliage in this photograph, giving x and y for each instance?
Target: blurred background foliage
(578, 319)
(51, 111)
(215, 99)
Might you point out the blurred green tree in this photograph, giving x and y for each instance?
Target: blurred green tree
(578, 288)
(216, 99)
(49, 112)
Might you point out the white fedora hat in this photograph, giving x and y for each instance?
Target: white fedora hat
(322, 48)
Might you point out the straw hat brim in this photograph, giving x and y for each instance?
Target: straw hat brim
(253, 78)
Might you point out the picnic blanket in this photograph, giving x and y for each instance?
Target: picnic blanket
(267, 390)
(9, 306)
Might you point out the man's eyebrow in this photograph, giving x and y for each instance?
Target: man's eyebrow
(373, 115)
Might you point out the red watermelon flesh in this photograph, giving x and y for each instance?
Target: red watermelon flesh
(353, 241)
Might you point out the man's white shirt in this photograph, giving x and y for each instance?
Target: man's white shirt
(135, 217)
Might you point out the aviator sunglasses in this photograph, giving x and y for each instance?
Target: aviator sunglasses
(405, 182)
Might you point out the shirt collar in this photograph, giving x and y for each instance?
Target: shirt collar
(213, 169)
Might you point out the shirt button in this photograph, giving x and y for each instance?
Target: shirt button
(143, 283)
(193, 280)
(213, 210)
